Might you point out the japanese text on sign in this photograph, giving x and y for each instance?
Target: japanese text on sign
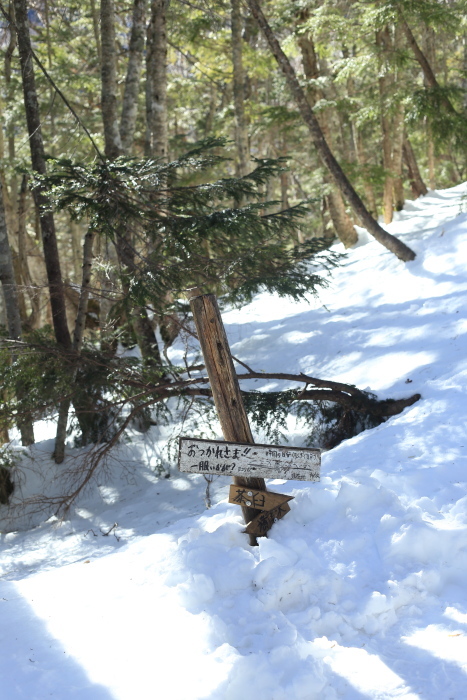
(238, 459)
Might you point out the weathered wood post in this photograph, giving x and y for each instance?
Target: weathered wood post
(224, 384)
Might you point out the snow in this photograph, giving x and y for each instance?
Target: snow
(359, 592)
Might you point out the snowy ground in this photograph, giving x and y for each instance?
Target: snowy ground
(359, 592)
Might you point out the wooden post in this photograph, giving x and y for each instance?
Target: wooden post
(224, 384)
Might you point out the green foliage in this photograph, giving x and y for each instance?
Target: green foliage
(328, 423)
(103, 387)
(331, 423)
(189, 222)
(268, 411)
(185, 234)
(448, 126)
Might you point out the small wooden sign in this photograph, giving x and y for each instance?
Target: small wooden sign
(274, 507)
(264, 521)
(248, 460)
(261, 500)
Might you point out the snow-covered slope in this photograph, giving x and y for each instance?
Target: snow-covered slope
(359, 592)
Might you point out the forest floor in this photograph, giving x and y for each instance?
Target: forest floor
(359, 592)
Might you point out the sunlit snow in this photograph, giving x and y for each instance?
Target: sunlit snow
(358, 593)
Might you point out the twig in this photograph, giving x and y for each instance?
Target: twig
(242, 364)
(106, 534)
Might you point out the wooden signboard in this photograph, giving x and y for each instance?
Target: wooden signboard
(253, 460)
(274, 507)
(261, 500)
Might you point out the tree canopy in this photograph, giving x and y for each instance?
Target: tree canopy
(221, 145)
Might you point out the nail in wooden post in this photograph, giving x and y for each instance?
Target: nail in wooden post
(224, 384)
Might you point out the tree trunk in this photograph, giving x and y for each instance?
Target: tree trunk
(342, 223)
(431, 156)
(360, 155)
(390, 242)
(428, 72)
(95, 28)
(113, 147)
(135, 58)
(146, 338)
(211, 113)
(387, 151)
(76, 247)
(397, 146)
(78, 334)
(284, 176)
(23, 278)
(392, 128)
(113, 144)
(416, 182)
(362, 161)
(340, 219)
(10, 296)
(49, 239)
(7, 277)
(224, 383)
(241, 131)
(156, 82)
(33, 291)
(10, 125)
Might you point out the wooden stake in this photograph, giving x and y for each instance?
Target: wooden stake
(224, 384)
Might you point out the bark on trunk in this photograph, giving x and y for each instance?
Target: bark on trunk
(140, 321)
(156, 82)
(10, 296)
(397, 146)
(33, 290)
(416, 182)
(113, 148)
(209, 121)
(431, 156)
(341, 222)
(133, 74)
(362, 161)
(113, 144)
(241, 131)
(49, 239)
(146, 338)
(464, 74)
(398, 131)
(284, 176)
(7, 277)
(80, 322)
(95, 28)
(224, 383)
(10, 125)
(78, 334)
(387, 152)
(76, 236)
(392, 128)
(428, 73)
(390, 242)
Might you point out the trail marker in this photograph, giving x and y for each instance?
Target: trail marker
(240, 459)
(238, 456)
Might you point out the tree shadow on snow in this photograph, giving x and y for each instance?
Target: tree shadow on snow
(33, 663)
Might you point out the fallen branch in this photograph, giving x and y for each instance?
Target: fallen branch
(346, 395)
